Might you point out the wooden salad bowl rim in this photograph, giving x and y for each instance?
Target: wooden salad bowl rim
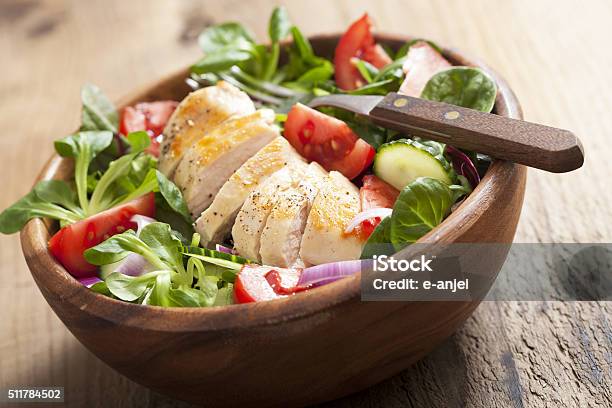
(55, 282)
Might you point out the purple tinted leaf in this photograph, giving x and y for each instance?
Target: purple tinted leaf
(463, 165)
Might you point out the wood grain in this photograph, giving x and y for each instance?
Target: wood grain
(555, 55)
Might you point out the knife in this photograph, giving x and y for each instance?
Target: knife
(543, 147)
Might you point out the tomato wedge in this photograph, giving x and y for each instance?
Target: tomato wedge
(69, 243)
(375, 193)
(422, 62)
(328, 141)
(357, 42)
(149, 116)
(255, 283)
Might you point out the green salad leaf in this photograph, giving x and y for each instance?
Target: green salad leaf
(226, 36)
(190, 297)
(98, 112)
(92, 149)
(83, 147)
(224, 46)
(221, 61)
(31, 206)
(231, 54)
(173, 196)
(182, 276)
(225, 296)
(160, 238)
(420, 207)
(462, 86)
(278, 29)
(95, 190)
(304, 67)
(131, 288)
(118, 174)
(57, 192)
(280, 25)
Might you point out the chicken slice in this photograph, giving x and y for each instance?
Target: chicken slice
(197, 114)
(252, 217)
(216, 221)
(334, 207)
(282, 235)
(209, 163)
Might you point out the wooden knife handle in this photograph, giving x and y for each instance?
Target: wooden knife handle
(534, 145)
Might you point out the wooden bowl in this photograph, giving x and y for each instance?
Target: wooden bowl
(311, 347)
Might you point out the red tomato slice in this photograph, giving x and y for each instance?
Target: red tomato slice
(376, 56)
(376, 193)
(367, 227)
(359, 159)
(149, 116)
(422, 62)
(358, 42)
(132, 120)
(69, 243)
(255, 283)
(328, 141)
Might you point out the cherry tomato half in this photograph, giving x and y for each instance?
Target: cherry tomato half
(357, 42)
(69, 243)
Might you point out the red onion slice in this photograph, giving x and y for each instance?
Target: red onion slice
(90, 281)
(366, 215)
(330, 272)
(133, 265)
(224, 249)
(141, 221)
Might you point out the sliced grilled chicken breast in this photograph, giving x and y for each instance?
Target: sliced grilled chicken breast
(334, 207)
(195, 116)
(216, 221)
(282, 235)
(252, 217)
(209, 163)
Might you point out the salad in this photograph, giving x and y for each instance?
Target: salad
(241, 192)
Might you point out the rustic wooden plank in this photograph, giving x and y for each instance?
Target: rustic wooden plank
(555, 55)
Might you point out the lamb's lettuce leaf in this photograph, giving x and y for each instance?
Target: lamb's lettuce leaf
(98, 112)
(31, 206)
(83, 147)
(181, 277)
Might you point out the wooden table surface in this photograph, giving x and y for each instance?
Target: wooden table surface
(555, 54)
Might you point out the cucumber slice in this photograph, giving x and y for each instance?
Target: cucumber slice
(401, 162)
